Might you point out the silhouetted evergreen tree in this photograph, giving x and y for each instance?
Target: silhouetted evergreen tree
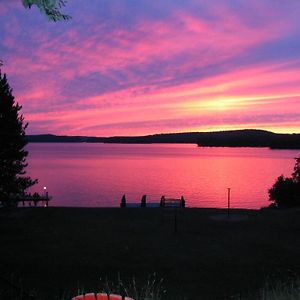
(286, 190)
(13, 183)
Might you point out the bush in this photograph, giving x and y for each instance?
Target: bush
(286, 190)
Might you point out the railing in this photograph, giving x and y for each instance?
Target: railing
(164, 202)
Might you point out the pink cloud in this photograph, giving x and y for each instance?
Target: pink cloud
(208, 42)
(226, 99)
(175, 46)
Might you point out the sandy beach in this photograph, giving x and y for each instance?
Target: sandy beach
(53, 251)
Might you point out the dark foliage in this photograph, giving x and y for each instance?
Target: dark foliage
(13, 183)
(286, 190)
(296, 173)
(51, 8)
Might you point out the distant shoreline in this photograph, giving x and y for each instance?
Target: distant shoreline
(233, 138)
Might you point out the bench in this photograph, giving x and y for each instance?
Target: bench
(172, 202)
(100, 296)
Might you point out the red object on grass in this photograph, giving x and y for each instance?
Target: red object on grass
(99, 296)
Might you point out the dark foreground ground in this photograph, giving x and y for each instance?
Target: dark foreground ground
(57, 250)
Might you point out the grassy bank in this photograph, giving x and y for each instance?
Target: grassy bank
(58, 250)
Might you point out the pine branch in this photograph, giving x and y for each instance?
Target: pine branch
(51, 8)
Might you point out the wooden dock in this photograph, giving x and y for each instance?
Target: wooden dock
(35, 201)
(27, 201)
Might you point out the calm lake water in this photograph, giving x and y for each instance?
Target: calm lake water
(97, 175)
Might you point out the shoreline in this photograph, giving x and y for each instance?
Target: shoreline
(136, 206)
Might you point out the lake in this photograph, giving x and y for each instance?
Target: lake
(97, 175)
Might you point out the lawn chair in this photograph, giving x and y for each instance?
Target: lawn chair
(100, 296)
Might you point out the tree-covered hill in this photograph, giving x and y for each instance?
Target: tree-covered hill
(231, 138)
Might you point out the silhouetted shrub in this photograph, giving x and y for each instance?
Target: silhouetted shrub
(286, 190)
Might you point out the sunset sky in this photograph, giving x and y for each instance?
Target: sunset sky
(133, 67)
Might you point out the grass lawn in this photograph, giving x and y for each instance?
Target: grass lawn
(55, 250)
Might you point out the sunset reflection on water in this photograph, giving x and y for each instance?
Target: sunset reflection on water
(99, 174)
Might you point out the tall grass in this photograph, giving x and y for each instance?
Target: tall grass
(289, 290)
(275, 290)
(152, 289)
(11, 288)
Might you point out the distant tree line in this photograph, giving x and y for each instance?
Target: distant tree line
(233, 138)
(249, 138)
(286, 190)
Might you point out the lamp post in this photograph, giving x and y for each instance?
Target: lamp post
(46, 196)
(228, 202)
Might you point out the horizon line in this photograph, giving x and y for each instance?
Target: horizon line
(165, 133)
